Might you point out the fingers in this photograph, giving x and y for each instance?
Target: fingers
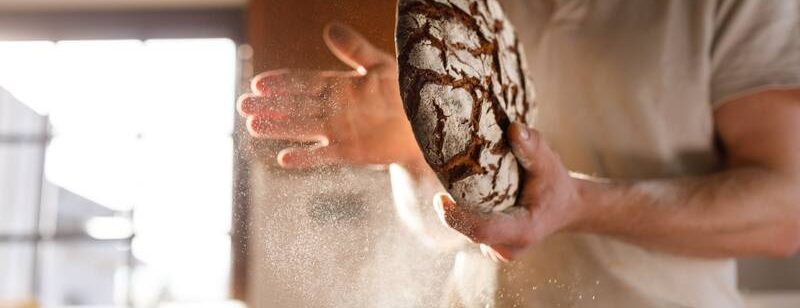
(290, 82)
(502, 236)
(304, 158)
(295, 107)
(492, 228)
(290, 105)
(487, 251)
(529, 148)
(454, 217)
(285, 129)
(500, 253)
(353, 49)
(505, 253)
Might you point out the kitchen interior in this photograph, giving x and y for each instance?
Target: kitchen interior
(128, 180)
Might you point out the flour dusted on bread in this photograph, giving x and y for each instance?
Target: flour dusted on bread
(463, 81)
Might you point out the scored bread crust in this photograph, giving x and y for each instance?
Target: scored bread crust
(463, 81)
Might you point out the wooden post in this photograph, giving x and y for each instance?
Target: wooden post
(288, 33)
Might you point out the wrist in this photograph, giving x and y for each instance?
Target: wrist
(591, 204)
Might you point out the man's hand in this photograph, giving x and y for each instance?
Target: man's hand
(355, 117)
(751, 208)
(548, 202)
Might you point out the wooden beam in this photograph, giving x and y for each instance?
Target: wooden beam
(99, 25)
(288, 33)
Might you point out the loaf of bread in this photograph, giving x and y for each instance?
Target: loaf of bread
(463, 81)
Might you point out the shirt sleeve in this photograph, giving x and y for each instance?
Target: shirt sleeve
(756, 47)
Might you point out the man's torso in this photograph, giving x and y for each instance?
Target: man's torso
(623, 92)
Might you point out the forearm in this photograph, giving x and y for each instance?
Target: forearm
(741, 211)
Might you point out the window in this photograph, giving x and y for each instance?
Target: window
(134, 138)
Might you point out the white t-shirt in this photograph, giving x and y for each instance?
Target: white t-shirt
(626, 89)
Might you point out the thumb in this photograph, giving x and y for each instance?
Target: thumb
(352, 48)
(529, 148)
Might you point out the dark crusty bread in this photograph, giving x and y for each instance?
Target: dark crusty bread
(463, 81)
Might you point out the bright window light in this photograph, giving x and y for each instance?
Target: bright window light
(107, 228)
(142, 126)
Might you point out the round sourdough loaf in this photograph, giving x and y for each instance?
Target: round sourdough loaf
(463, 81)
